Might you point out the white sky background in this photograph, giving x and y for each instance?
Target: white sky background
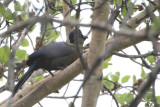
(123, 65)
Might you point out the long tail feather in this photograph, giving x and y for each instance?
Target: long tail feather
(25, 77)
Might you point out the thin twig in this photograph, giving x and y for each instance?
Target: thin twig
(143, 61)
(40, 104)
(66, 89)
(135, 56)
(151, 78)
(111, 94)
(134, 60)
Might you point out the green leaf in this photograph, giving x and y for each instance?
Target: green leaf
(38, 78)
(150, 59)
(125, 79)
(158, 99)
(119, 1)
(52, 37)
(46, 29)
(74, 2)
(25, 43)
(156, 24)
(105, 63)
(2, 9)
(120, 98)
(1, 79)
(109, 59)
(8, 14)
(130, 12)
(4, 54)
(128, 97)
(117, 73)
(124, 98)
(70, 104)
(22, 73)
(21, 54)
(124, 12)
(23, 15)
(115, 77)
(143, 74)
(23, 7)
(149, 96)
(109, 84)
(17, 6)
(32, 28)
(134, 79)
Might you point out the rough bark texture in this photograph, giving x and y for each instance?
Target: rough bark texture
(91, 89)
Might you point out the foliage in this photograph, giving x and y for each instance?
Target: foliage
(38, 78)
(124, 98)
(106, 63)
(4, 56)
(150, 59)
(125, 79)
(21, 54)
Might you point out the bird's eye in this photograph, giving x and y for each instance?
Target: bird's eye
(81, 35)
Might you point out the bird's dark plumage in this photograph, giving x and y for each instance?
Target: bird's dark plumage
(54, 56)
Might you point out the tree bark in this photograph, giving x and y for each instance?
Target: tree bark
(92, 87)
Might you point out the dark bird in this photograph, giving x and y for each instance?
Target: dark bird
(54, 56)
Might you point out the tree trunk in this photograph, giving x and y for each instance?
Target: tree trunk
(91, 89)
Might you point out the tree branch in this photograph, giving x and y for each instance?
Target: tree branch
(93, 83)
(151, 78)
(50, 84)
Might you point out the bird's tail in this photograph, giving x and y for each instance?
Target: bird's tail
(25, 77)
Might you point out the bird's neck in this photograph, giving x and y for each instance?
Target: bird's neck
(74, 45)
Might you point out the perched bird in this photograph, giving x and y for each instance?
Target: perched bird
(54, 56)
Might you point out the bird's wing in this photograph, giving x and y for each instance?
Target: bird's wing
(53, 50)
(58, 49)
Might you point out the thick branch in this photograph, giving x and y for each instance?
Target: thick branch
(62, 78)
(92, 87)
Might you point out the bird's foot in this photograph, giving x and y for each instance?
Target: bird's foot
(51, 73)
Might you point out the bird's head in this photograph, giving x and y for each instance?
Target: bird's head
(80, 37)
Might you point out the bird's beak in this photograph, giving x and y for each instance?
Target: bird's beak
(85, 37)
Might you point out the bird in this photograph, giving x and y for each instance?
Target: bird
(54, 56)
